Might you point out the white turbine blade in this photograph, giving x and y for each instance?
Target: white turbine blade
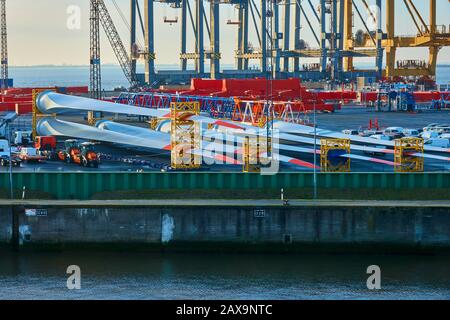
(210, 148)
(301, 129)
(54, 127)
(50, 102)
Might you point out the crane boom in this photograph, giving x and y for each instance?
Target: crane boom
(4, 40)
(116, 43)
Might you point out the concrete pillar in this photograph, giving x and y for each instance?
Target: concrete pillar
(263, 37)
(215, 40)
(286, 32)
(245, 25)
(200, 50)
(276, 41)
(297, 33)
(323, 28)
(240, 35)
(379, 62)
(334, 40)
(183, 33)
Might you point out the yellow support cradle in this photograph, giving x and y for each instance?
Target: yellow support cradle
(257, 151)
(329, 145)
(36, 114)
(185, 136)
(404, 160)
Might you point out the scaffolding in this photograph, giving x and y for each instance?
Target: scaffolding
(185, 136)
(331, 155)
(256, 151)
(406, 155)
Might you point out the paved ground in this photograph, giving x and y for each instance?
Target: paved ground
(355, 117)
(227, 203)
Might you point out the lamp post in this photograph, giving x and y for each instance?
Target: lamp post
(315, 155)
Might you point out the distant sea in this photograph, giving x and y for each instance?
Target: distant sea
(112, 76)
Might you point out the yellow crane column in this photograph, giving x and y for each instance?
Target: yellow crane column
(390, 47)
(348, 33)
(433, 50)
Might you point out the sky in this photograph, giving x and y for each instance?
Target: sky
(38, 33)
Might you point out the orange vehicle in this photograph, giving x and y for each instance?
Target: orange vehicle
(46, 147)
(79, 153)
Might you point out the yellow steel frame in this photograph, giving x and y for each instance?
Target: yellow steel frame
(404, 161)
(185, 136)
(250, 155)
(91, 119)
(348, 34)
(253, 149)
(428, 36)
(36, 114)
(326, 145)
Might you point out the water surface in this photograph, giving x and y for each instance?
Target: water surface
(221, 276)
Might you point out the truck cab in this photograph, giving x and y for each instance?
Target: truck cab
(46, 146)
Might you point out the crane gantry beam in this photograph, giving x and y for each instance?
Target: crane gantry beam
(335, 45)
(4, 41)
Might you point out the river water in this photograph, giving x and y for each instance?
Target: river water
(37, 275)
(112, 75)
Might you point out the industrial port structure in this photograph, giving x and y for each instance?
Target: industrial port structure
(281, 46)
(257, 119)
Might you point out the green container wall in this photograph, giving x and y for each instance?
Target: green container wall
(82, 185)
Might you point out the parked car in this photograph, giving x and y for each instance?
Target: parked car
(411, 133)
(370, 132)
(430, 126)
(396, 132)
(351, 132)
(442, 129)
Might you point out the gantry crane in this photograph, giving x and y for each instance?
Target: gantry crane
(428, 35)
(95, 66)
(100, 15)
(4, 52)
(117, 45)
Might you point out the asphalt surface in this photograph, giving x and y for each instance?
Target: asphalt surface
(228, 203)
(356, 117)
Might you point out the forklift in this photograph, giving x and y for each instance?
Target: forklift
(80, 153)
